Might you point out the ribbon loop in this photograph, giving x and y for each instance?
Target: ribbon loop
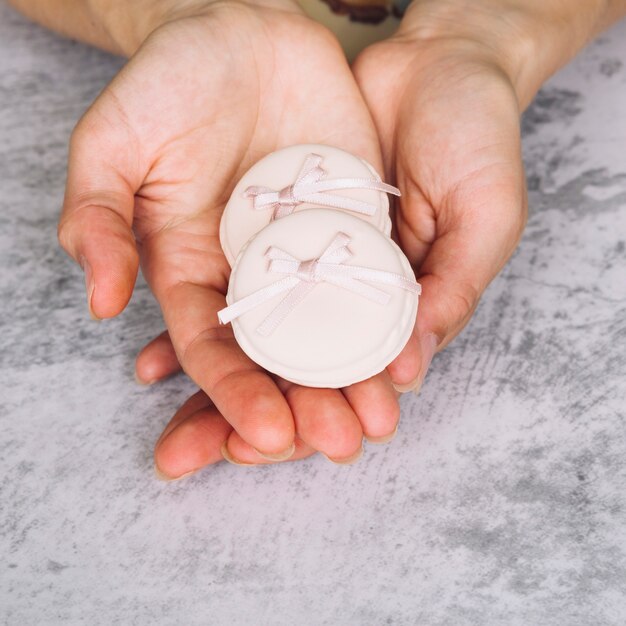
(302, 276)
(311, 187)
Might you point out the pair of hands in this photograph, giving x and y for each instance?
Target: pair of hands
(209, 92)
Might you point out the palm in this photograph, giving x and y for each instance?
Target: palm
(448, 124)
(206, 129)
(208, 121)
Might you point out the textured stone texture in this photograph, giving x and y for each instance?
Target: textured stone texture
(501, 501)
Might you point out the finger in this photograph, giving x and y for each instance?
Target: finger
(197, 401)
(375, 402)
(404, 370)
(326, 422)
(471, 249)
(192, 440)
(95, 227)
(157, 360)
(242, 392)
(236, 451)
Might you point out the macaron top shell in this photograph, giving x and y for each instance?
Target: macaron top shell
(279, 170)
(333, 337)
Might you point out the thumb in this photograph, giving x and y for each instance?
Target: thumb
(468, 253)
(95, 227)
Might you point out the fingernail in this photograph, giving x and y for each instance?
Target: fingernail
(349, 460)
(164, 477)
(428, 347)
(230, 458)
(408, 387)
(90, 286)
(384, 438)
(142, 382)
(279, 456)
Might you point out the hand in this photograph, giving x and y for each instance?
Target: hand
(446, 92)
(448, 121)
(447, 115)
(151, 166)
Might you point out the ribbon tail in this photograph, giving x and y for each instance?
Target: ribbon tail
(284, 307)
(378, 276)
(338, 202)
(333, 184)
(360, 288)
(229, 313)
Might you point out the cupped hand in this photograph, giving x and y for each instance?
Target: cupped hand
(447, 116)
(151, 165)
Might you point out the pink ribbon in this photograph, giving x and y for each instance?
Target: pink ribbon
(302, 276)
(311, 188)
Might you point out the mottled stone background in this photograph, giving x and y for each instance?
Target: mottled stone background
(502, 500)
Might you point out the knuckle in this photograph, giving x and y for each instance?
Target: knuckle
(464, 301)
(72, 222)
(64, 234)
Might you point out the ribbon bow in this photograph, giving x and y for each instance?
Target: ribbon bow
(310, 187)
(302, 276)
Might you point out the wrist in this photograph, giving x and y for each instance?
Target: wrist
(128, 24)
(527, 40)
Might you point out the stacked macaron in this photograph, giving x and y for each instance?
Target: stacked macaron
(319, 294)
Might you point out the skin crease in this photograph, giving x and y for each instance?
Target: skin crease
(443, 98)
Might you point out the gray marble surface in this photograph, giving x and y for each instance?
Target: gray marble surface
(502, 500)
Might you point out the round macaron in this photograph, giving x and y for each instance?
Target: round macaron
(322, 298)
(279, 171)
